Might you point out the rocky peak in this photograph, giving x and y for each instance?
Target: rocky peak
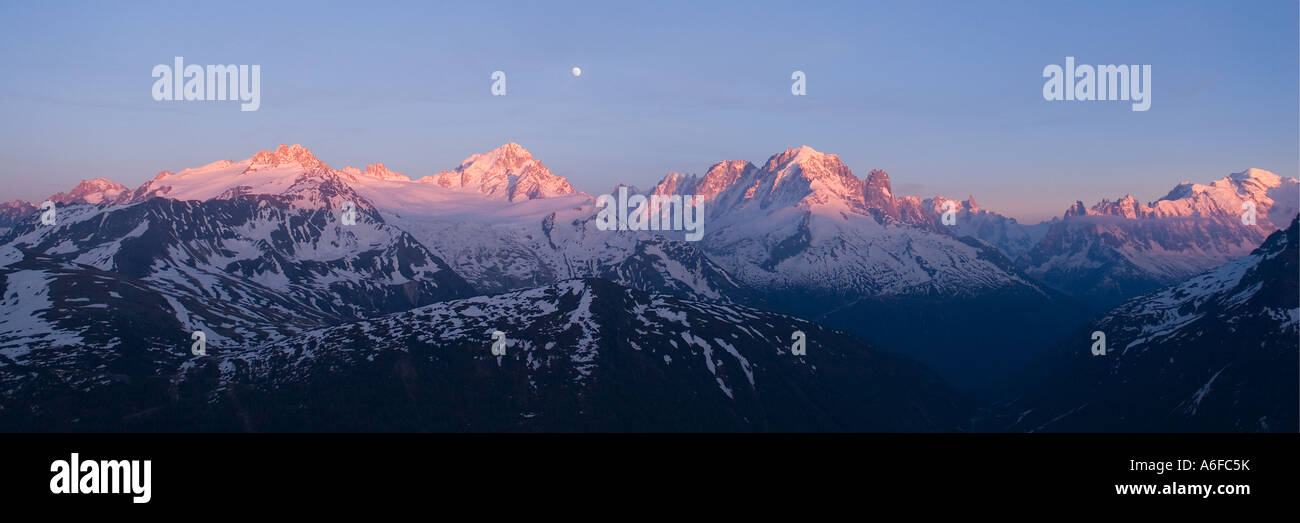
(877, 183)
(510, 158)
(288, 155)
(509, 171)
(1127, 207)
(92, 191)
(377, 170)
(721, 175)
(811, 176)
(676, 183)
(1259, 176)
(1078, 209)
(810, 160)
(878, 194)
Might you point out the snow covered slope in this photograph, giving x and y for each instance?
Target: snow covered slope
(272, 260)
(75, 331)
(581, 355)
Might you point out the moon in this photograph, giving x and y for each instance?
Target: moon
(577, 71)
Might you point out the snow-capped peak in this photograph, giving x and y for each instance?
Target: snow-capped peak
(1248, 182)
(676, 183)
(1127, 207)
(1272, 195)
(293, 173)
(510, 157)
(287, 170)
(509, 172)
(287, 155)
(376, 170)
(718, 178)
(92, 191)
(1265, 178)
(793, 154)
(800, 177)
(810, 162)
(721, 175)
(811, 178)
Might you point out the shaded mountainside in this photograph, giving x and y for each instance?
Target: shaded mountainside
(255, 251)
(582, 355)
(81, 345)
(97, 311)
(589, 355)
(14, 212)
(1216, 353)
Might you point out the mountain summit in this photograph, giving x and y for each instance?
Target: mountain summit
(92, 191)
(811, 177)
(377, 171)
(508, 172)
(287, 155)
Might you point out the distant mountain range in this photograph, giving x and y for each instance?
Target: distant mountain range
(1115, 250)
(299, 302)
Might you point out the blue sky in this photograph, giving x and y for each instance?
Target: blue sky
(944, 95)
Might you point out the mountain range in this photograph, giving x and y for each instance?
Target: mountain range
(1112, 251)
(315, 282)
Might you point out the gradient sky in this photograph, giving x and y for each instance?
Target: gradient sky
(944, 95)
